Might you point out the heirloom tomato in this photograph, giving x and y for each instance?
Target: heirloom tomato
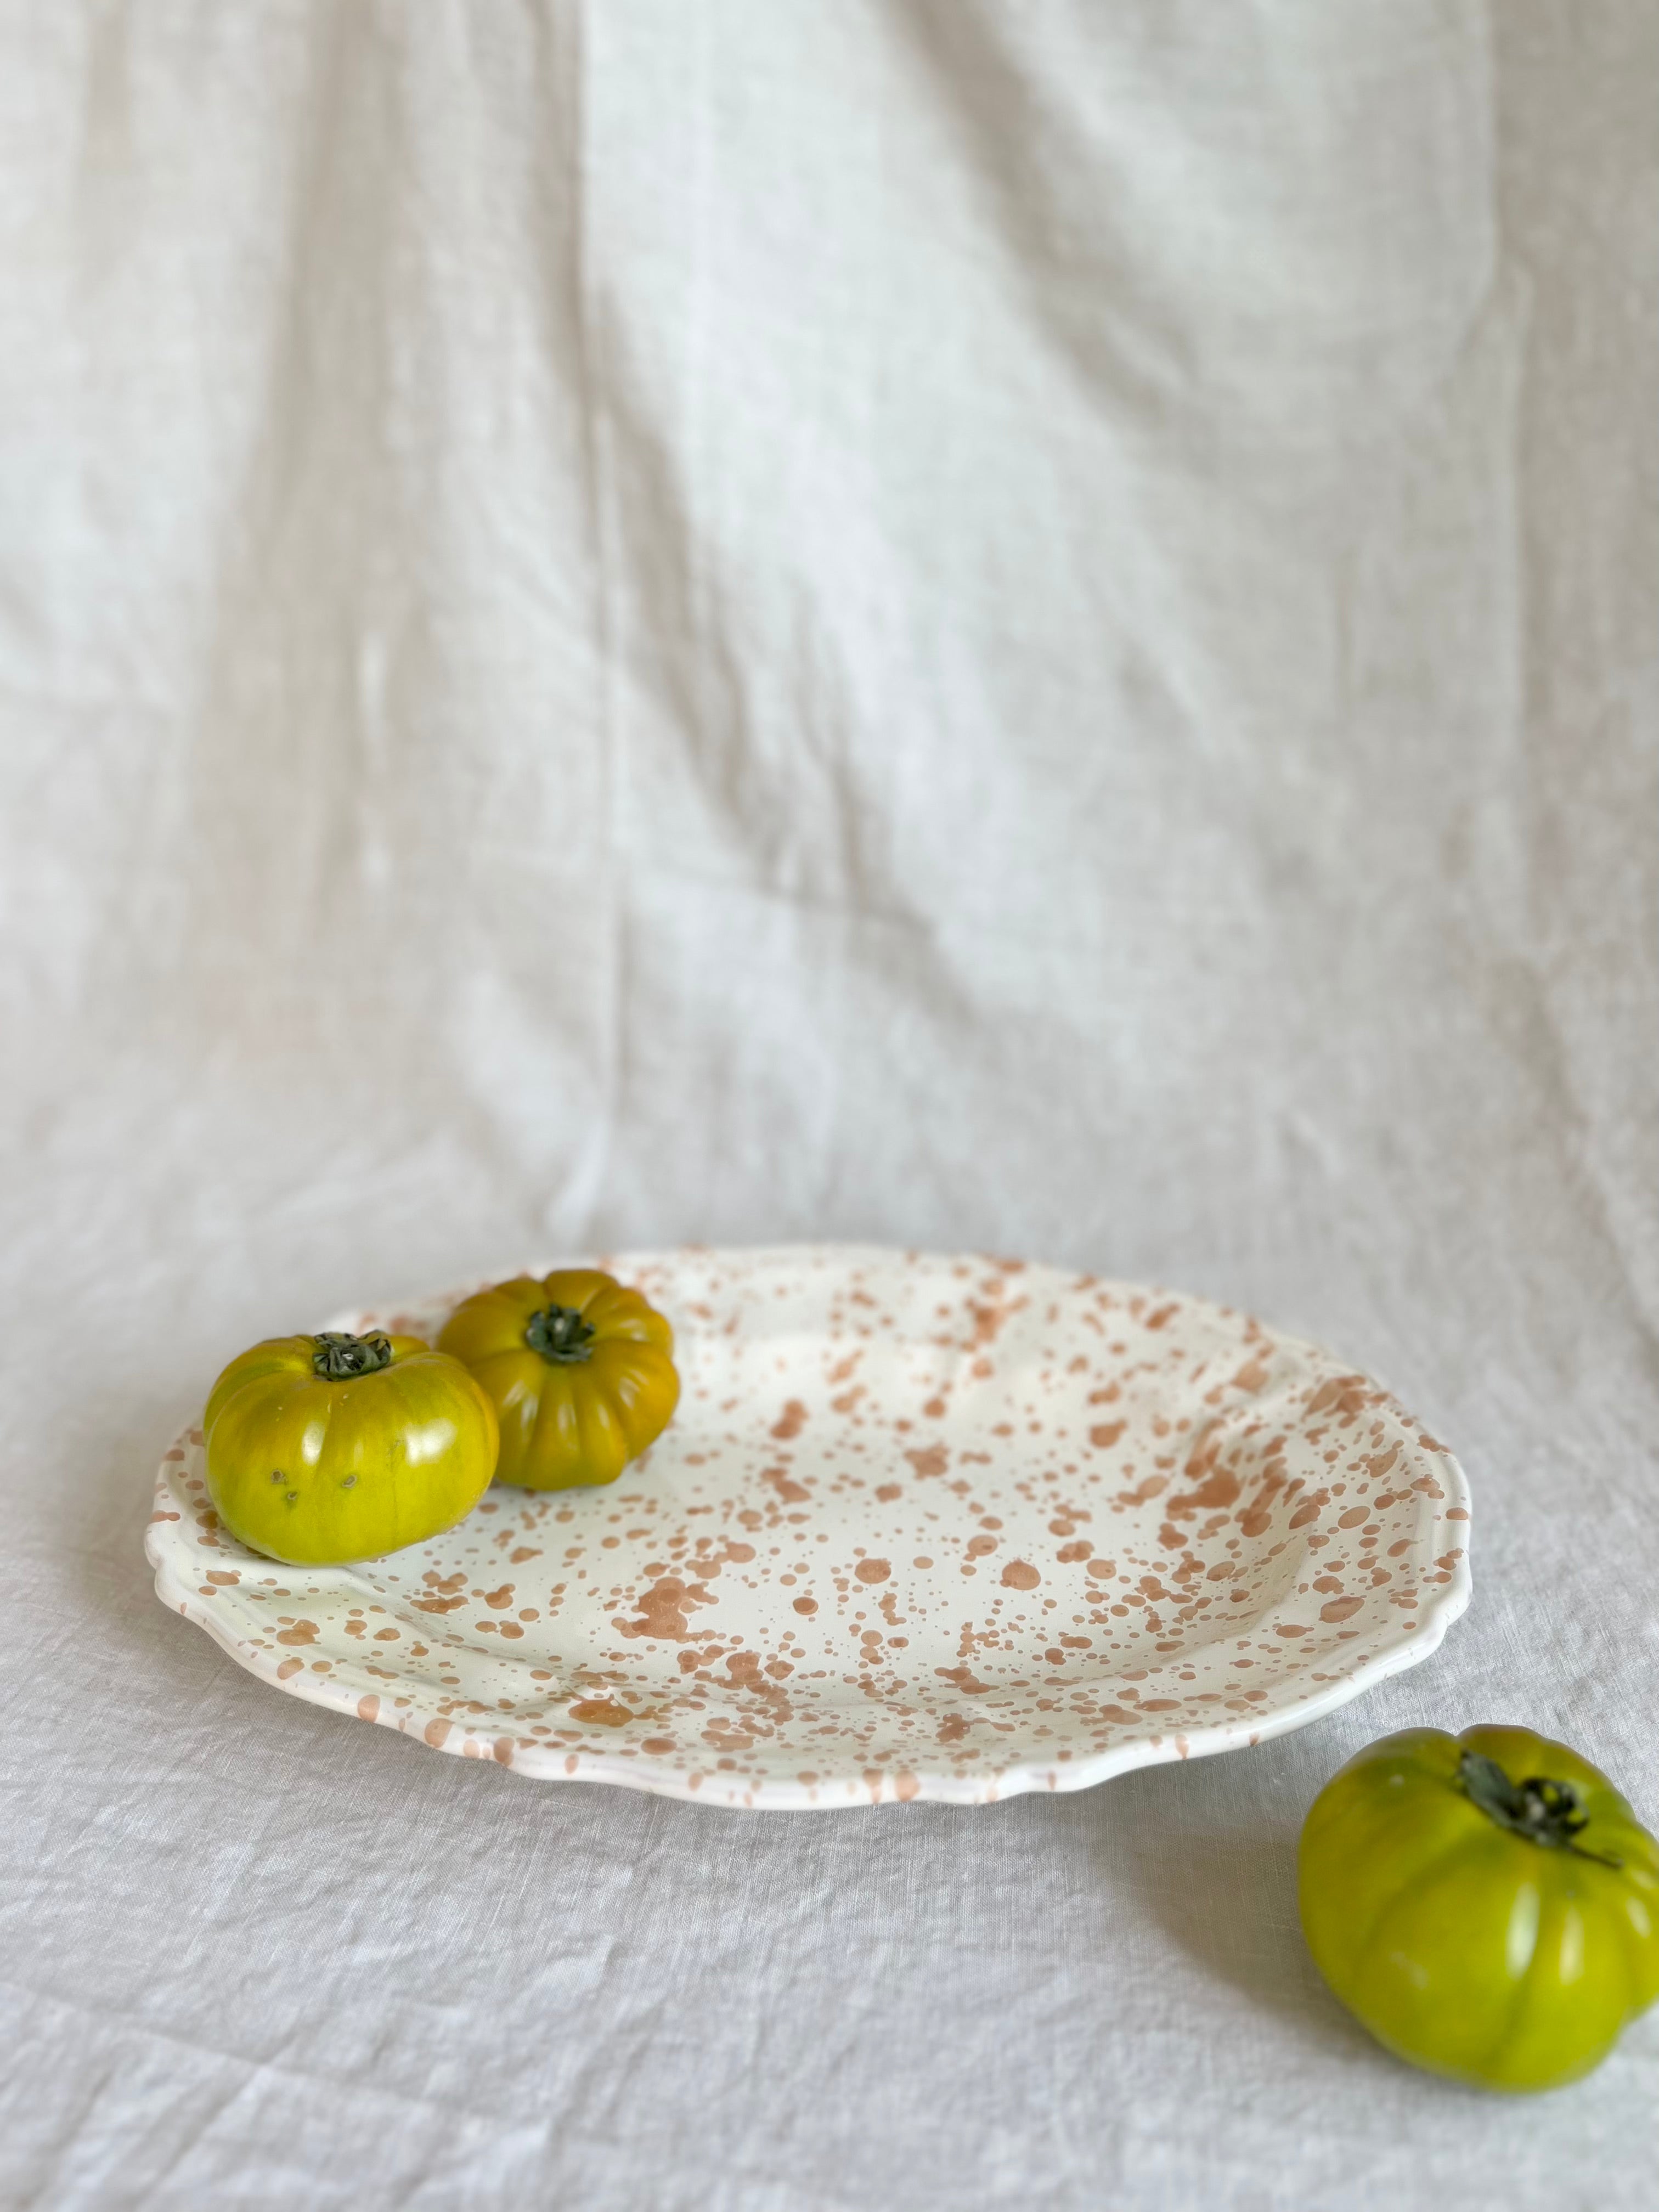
(1486, 1905)
(325, 1448)
(579, 1369)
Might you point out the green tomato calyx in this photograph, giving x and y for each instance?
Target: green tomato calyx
(561, 1335)
(1551, 1813)
(337, 1357)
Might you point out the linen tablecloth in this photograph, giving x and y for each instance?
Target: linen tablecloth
(1025, 628)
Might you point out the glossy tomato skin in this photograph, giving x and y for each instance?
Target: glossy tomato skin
(1464, 1945)
(580, 1418)
(316, 1471)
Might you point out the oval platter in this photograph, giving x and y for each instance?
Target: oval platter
(923, 1527)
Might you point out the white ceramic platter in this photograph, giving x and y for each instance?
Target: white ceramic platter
(922, 1527)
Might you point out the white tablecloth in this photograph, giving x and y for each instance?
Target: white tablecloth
(980, 626)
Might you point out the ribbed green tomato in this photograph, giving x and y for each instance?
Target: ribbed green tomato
(580, 1368)
(325, 1448)
(1486, 1905)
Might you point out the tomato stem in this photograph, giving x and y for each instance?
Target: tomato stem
(561, 1335)
(1550, 1813)
(337, 1357)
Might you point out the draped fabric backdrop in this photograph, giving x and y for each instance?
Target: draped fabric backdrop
(1018, 626)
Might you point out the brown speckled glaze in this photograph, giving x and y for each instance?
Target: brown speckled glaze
(922, 1527)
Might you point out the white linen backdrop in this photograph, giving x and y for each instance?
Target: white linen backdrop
(1021, 626)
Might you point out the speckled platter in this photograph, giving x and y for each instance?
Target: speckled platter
(922, 1527)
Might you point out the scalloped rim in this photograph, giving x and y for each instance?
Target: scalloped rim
(658, 1779)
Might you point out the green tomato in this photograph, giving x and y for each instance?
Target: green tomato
(1486, 1905)
(325, 1448)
